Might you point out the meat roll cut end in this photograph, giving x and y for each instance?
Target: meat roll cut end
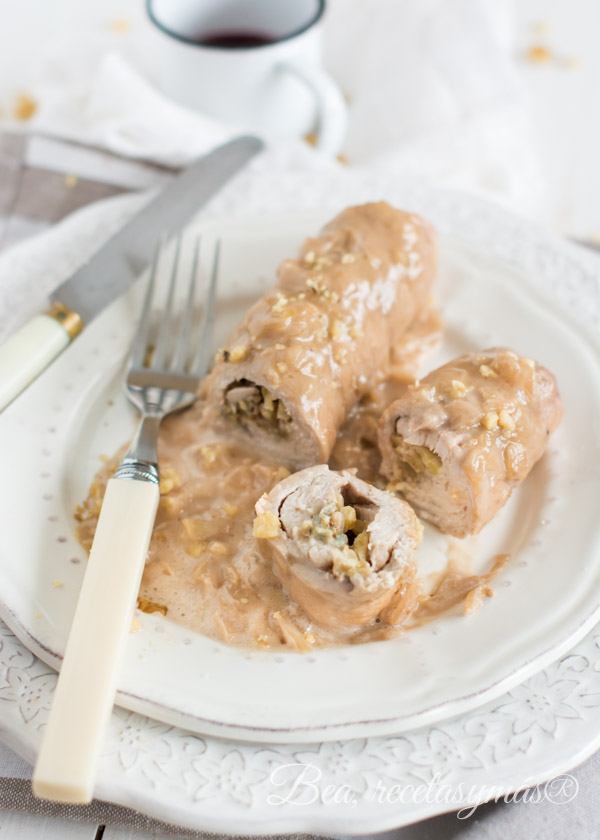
(311, 347)
(340, 547)
(456, 444)
(254, 405)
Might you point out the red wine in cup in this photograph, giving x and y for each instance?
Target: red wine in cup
(235, 39)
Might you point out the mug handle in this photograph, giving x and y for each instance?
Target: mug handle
(332, 113)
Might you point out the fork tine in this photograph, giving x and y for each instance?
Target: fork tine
(140, 341)
(200, 363)
(162, 342)
(181, 353)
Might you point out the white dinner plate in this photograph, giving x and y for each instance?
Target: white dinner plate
(547, 598)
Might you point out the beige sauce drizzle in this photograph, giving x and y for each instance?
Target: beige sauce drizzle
(203, 567)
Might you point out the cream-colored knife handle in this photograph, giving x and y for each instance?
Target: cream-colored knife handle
(29, 351)
(85, 693)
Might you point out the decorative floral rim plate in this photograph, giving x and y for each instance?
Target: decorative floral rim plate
(539, 729)
(534, 734)
(52, 436)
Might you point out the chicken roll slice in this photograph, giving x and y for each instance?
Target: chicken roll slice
(308, 350)
(341, 548)
(456, 444)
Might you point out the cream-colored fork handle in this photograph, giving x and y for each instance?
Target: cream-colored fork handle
(85, 693)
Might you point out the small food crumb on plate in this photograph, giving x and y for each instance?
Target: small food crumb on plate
(24, 107)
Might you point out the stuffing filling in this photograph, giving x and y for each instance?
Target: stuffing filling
(340, 525)
(251, 405)
(416, 460)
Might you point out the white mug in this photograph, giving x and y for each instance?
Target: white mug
(255, 63)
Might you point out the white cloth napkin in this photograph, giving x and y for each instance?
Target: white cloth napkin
(117, 108)
(432, 94)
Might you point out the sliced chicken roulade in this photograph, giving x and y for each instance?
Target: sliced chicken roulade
(309, 349)
(341, 548)
(456, 444)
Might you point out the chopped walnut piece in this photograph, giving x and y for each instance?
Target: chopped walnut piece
(266, 526)
(208, 453)
(218, 548)
(457, 389)
(506, 420)
(538, 54)
(348, 258)
(280, 303)
(170, 505)
(487, 372)
(360, 547)
(24, 107)
(149, 355)
(151, 607)
(419, 459)
(339, 354)
(197, 528)
(349, 517)
(238, 353)
(318, 288)
(195, 549)
(169, 480)
(489, 420)
(336, 330)
(231, 509)
(120, 25)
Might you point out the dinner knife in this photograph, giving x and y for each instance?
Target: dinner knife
(114, 267)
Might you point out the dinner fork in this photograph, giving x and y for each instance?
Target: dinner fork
(161, 378)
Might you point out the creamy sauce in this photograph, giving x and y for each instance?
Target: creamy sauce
(204, 570)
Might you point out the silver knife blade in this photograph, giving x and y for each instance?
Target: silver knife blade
(112, 269)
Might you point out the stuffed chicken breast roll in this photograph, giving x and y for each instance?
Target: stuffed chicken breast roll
(312, 346)
(457, 443)
(341, 548)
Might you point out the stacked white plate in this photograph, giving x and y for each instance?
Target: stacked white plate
(229, 740)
